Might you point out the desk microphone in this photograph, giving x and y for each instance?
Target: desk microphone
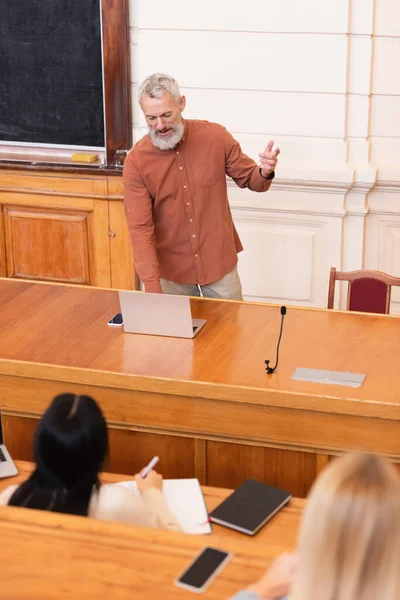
(269, 369)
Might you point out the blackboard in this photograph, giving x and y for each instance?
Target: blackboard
(51, 75)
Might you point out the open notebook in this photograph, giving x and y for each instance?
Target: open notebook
(185, 500)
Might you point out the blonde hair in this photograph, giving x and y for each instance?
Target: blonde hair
(349, 543)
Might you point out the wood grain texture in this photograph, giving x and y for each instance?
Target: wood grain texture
(96, 559)
(65, 228)
(121, 256)
(3, 256)
(19, 434)
(212, 388)
(130, 451)
(225, 362)
(200, 460)
(36, 186)
(228, 465)
(117, 85)
(47, 244)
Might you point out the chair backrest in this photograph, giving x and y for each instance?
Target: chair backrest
(368, 290)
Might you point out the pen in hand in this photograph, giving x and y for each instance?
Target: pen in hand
(144, 472)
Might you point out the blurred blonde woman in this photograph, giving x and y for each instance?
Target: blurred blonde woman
(349, 543)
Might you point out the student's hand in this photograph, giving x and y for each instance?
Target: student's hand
(153, 480)
(277, 581)
(269, 159)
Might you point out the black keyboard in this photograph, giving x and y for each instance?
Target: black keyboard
(2, 457)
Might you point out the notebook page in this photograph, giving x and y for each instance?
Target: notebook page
(185, 500)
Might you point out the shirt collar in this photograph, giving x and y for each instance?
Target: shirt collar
(185, 131)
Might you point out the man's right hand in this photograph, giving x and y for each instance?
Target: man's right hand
(154, 287)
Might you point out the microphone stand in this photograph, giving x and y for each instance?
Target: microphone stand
(269, 370)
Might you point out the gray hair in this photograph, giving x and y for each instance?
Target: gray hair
(157, 84)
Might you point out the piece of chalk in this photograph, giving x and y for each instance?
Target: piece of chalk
(83, 157)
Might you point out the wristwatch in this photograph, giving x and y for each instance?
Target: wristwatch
(270, 176)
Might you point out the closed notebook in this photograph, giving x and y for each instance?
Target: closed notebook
(249, 507)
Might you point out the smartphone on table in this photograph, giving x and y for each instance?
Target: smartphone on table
(203, 569)
(116, 321)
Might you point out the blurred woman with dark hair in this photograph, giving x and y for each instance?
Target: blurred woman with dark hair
(71, 444)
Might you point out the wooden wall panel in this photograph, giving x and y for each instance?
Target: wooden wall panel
(121, 256)
(228, 465)
(3, 257)
(397, 466)
(47, 244)
(65, 227)
(18, 435)
(130, 451)
(219, 464)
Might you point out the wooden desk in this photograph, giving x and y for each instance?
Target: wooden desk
(205, 405)
(45, 555)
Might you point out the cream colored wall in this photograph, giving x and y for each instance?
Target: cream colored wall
(321, 78)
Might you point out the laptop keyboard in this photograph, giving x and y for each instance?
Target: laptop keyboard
(2, 457)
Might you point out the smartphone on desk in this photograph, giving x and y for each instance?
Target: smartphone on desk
(116, 321)
(203, 569)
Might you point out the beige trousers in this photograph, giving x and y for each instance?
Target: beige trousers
(229, 287)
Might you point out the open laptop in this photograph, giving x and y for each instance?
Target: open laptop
(158, 314)
(7, 467)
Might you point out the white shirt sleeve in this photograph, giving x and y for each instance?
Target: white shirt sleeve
(5, 495)
(115, 503)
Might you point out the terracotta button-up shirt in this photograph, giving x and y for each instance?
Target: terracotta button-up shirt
(177, 209)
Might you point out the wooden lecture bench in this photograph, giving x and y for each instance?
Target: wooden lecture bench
(47, 555)
(205, 406)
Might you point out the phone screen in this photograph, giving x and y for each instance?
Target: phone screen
(116, 320)
(204, 569)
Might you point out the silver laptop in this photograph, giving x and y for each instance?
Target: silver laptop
(7, 467)
(158, 314)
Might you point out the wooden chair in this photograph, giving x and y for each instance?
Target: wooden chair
(368, 291)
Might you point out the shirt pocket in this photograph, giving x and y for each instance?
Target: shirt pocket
(208, 173)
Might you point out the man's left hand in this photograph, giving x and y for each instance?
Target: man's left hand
(269, 159)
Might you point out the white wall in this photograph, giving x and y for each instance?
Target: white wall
(322, 79)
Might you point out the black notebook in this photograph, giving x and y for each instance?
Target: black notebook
(249, 507)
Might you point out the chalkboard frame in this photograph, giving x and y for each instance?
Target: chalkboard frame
(117, 82)
(117, 100)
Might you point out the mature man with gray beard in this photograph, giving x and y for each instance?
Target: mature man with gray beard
(176, 201)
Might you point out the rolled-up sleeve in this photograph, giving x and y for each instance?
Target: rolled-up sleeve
(243, 170)
(139, 217)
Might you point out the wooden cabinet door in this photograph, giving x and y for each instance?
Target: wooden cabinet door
(123, 276)
(65, 227)
(57, 243)
(3, 265)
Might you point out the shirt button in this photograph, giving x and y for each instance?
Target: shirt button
(196, 255)
(188, 203)
(190, 220)
(180, 168)
(193, 235)
(184, 187)
(177, 152)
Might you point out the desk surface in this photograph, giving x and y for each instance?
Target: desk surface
(64, 328)
(43, 552)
